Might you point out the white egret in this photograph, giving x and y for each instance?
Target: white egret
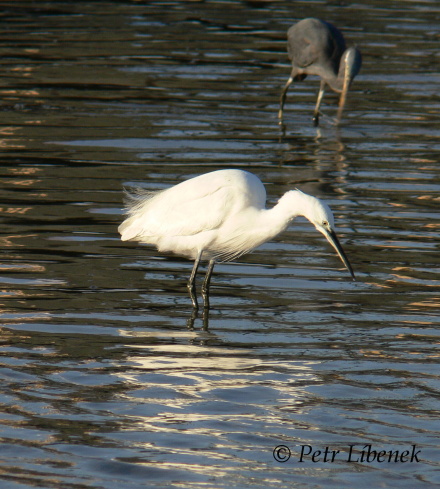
(219, 216)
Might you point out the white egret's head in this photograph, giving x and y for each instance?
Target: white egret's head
(321, 216)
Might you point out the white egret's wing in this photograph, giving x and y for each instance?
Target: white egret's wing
(198, 204)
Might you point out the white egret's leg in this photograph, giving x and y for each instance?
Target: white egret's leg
(206, 283)
(191, 282)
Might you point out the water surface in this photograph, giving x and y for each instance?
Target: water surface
(107, 377)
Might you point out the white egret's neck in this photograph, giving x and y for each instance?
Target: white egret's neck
(259, 225)
(296, 203)
(292, 204)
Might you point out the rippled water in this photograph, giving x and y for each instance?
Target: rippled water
(107, 378)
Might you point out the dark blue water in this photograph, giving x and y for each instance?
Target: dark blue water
(107, 377)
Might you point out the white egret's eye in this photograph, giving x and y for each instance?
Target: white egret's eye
(325, 223)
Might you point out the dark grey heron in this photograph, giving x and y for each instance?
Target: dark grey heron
(316, 47)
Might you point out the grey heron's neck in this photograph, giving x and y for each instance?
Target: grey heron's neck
(336, 79)
(336, 83)
(349, 66)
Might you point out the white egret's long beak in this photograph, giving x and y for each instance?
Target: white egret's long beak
(333, 240)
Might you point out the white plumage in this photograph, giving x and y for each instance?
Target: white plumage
(218, 216)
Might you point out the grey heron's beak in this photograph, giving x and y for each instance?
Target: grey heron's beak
(334, 241)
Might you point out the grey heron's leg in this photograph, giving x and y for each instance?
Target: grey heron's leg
(318, 104)
(191, 282)
(283, 96)
(206, 282)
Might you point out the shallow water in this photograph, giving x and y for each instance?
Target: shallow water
(107, 377)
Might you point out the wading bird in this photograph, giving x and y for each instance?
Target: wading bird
(316, 47)
(219, 216)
